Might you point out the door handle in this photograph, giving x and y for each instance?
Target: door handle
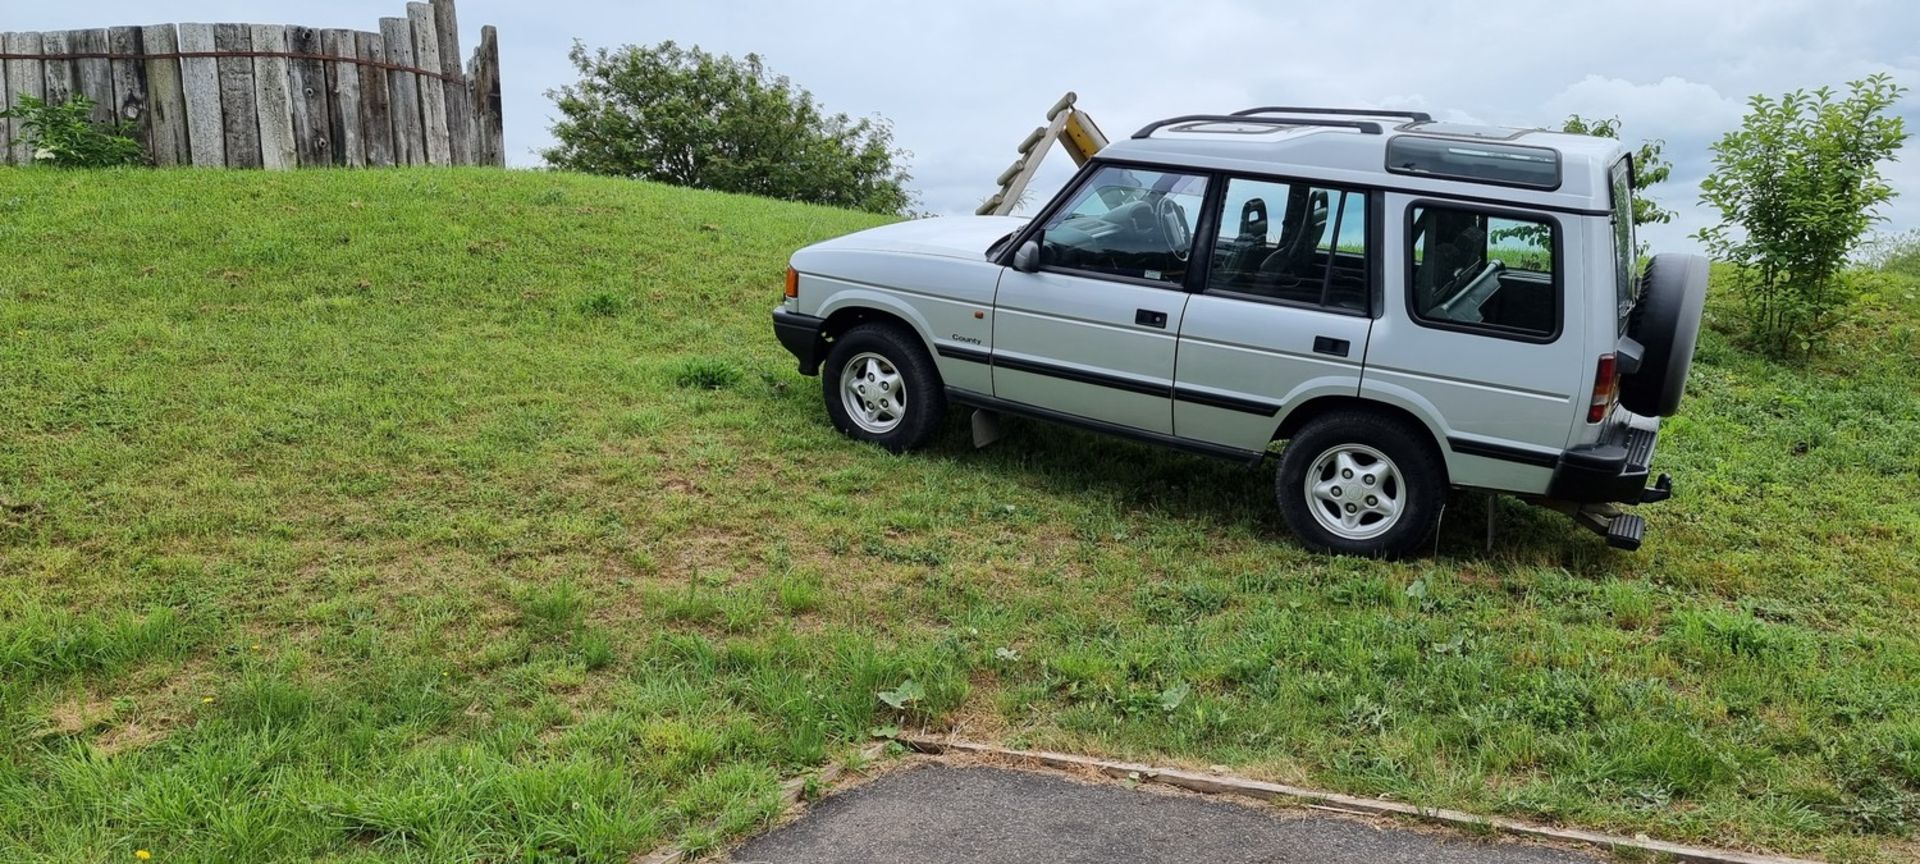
(1336, 347)
(1150, 318)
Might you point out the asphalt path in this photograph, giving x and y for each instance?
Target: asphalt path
(948, 815)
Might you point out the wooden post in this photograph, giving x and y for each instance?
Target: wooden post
(130, 83)
(58, 74)
(240, 127)
(6, 126)
(307, 87)
(167, 131)
(24, 77)
(376, 100)
(486, 92)
(200, 80)
(93, 77)
(433, 96)
(460, 137)
(343, 99)
(272, 100)
(409, 139)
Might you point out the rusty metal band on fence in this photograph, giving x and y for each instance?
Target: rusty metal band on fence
(289, 55)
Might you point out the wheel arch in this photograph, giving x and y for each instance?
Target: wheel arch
(1313, 409)
(848, 314)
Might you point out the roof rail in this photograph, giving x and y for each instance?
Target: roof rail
(1416, 116)
(1360, 125)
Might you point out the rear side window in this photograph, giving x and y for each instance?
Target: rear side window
(1292, 242)
(1625, 246)
(1486, 272)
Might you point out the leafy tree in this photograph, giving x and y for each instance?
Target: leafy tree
(690, 118)
(65, 135)
(1648, 166)
(1797, 186)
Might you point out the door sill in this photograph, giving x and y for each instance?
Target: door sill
(1174, 442)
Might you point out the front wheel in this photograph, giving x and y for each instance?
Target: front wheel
(881, 386)
(1360, 484)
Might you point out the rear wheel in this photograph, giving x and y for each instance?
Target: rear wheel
(881, 386)
(1360, 484)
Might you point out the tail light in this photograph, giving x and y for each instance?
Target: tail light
(793, 282)
(1606, 389)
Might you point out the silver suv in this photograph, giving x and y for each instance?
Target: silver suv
(1409, 305)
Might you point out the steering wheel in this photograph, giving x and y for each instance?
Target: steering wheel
(1173, 224)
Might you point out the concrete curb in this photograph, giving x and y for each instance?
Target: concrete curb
(1220, 783)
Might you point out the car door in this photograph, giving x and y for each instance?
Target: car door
(1283, 314)
(1091, 333)
(1474, 336)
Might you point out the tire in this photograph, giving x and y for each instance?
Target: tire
(894, 363)
(1311, 488)
(1666, 323)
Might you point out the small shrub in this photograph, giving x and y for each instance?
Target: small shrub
(706, 373)
(1797, 186)
(65, 136)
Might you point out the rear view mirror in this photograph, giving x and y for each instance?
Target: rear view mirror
(1026, 259)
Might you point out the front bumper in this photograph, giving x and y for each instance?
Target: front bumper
(804, 336)
(1613, 470)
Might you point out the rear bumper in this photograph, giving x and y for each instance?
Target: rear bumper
(803, 337)
(1614, 470)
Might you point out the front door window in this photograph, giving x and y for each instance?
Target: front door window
(1127, 222)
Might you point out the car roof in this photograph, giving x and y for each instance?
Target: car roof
(1351, 146)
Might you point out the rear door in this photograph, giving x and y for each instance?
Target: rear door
(1092, 333)
(1475, 334)
(1282, 317)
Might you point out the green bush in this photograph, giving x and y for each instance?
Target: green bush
(65, 136)
(1797, 186)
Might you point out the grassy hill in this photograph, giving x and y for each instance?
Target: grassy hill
(461, 515)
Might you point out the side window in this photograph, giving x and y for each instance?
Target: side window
(1128, 222)
(1294, 242)
(1625, 251)
(1476, 270)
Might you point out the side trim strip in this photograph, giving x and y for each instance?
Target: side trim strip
(1503, 452)
(1230, 403)
(971, 355)
(1068, 373)
(1130, 385)
(982, 401)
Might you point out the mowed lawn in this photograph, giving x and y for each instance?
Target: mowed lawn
(477, 516)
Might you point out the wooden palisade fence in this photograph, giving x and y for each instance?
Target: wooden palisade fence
(272, 96)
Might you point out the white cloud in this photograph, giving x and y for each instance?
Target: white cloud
(1672, 108)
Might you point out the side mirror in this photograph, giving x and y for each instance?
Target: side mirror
(1026, 259)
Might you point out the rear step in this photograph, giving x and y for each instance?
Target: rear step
(1626, 531)
(1622, 530)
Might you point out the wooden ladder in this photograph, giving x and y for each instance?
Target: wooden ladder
(1066, 124)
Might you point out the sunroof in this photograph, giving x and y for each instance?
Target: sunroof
(1226, 128)
(1478, 161)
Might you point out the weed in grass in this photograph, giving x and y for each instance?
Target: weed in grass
(705, 373)
(602, 304)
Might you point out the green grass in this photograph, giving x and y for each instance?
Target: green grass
(465, 515)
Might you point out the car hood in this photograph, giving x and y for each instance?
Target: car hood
(949, 236)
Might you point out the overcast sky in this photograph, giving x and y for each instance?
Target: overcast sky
(964, 82)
